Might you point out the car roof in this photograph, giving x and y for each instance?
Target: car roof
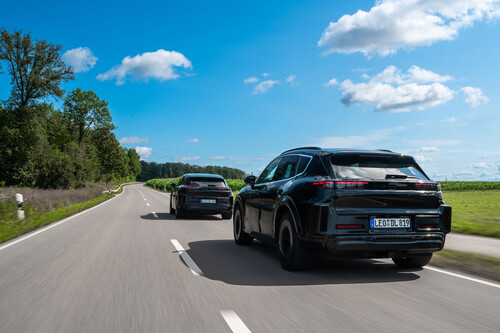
(204, 175)
(322, 151)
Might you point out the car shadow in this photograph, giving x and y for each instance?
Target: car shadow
(258, 265)
(190, 217)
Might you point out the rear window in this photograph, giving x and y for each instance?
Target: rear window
(352, 166)
(206, 182)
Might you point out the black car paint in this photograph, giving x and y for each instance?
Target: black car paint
(317, 210)
(179, 195)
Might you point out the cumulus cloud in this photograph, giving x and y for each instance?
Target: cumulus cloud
(394, 91)
(371, 139)
(450, 120)
(291, 78)
(264, 86)
(473, 96)
(81, 59)
(158, 65)
(427, 149)
(133, 140)
(394, 24)
(193, 140)
(331, 83)
(481, 165)
(144, 152)
(422, 158)
(266, 74)
(252, 79)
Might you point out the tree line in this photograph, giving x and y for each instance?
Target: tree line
(152, 170)
(48, 147)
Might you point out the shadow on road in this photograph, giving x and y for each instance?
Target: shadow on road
(190, 217)
(258, 265)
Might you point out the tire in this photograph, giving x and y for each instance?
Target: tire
(227, 216)
(172, 210)
(413, 262)
(180, 213)
(240, 236)
(293, 257)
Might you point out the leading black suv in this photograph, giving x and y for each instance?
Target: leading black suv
(343, 203)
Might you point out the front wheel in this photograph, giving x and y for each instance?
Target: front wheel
(413, 262)
(293, 257)
(240, 236)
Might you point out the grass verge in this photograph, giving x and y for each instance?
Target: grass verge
(472, 263)
(475, 212)
(11, 230)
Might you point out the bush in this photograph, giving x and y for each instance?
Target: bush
(165, 184)
(448, 186)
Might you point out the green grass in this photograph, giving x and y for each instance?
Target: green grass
(477, 264)
(468, 186)
(475, 212)
(12, 229)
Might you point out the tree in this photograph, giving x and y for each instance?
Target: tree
(84, 110)
(134, 164)
(35, 67)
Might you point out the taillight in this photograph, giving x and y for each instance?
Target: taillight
(350, 184)
(428, 226)
(323, 183)
(426, 186)
(223, 188)
(186, 186)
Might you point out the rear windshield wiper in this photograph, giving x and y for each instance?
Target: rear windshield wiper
(398, 176)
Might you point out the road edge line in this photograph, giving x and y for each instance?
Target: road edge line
(465, 277)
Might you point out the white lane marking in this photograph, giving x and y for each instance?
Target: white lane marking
(154, 214)
(187, 259)
(491, 284)
(147, 204)
(144, 199)
(50, 226)
(234, 322)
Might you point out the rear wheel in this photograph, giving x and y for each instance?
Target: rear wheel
(413, 262)
(240, 236)
(172, 210)
(180, 213)
(293, 257)
(227, 216)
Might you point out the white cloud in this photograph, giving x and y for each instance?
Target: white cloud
(188, 158)
(428, 150)
(394, 24)
(422, 158)
(266, 74)
(463, 173)
(218, 158)
(395, 92)
(81, 59)
(368, 140)
(291, 78)
(144, 152)
(264, 86)
(133, 140)
(331, 83)
(473, 96)
(481, 165)
(193, 140)
(252, 79)
(158, 65)
(450, 120)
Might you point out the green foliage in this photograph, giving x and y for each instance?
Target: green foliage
(469, 186)
(152, 170)
(236, 184)
(475, 212)
(165, 184)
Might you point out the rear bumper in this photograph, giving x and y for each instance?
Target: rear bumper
(207, 208)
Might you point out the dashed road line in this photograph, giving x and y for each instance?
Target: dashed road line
(465, 277)
(234, 322)
(187, 259)
(154, 214)
(147, 204)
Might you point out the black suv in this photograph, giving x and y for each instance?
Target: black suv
(202, 193)
(343, 203)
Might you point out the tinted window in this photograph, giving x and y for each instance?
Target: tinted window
(287, 167)
(268, 173)
(303, 162)
(206, 182)
(375, 167)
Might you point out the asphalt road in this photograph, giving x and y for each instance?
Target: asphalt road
(115, 269)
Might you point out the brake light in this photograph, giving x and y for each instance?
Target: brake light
(223, 188)
(350, 226)
(426, 186)
(323, 183)
(428, 226)
(192, 201)
(185, 186)
(350, 184)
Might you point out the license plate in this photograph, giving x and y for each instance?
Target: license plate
(400, 222)
(208, 201)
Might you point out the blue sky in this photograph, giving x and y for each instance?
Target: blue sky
(418, 77)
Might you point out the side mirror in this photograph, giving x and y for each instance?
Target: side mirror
(250, 180)
(174, 185)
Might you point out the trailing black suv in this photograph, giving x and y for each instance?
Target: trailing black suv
(343, 203)
(202, 193)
